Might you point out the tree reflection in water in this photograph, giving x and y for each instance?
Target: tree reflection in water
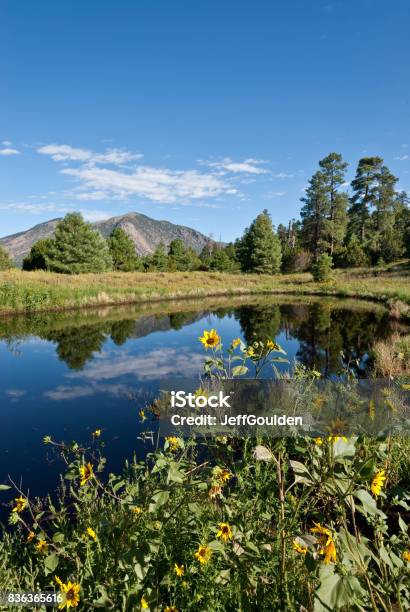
(329, 336)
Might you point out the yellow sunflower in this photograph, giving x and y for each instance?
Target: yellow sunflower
(210, 339)
(70, 592)
(272, 346)
(225, 532)
(144, 603)
(236, 343)
(378, 482)
(221, 475)
(179, 569)
(86, 472)
(406, 555)
(97, 433)
(173, 443)
(21, 503)
(299, 548)
(203, 554)
(171, 609)
(91, 533)
(326, 543)
(42, 546)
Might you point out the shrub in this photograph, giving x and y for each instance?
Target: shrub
(322, 269)
(5, 260)
(37, 259)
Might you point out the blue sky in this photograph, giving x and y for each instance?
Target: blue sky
(199, 112)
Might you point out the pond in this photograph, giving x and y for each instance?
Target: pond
(67, 374)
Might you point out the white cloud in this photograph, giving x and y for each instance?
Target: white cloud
(28, 207)
(9, 151)
(7, 143)
(37, 208)
(110, 176)
(402, 157)
(248, 166)
(116, 157)
(154, 364)
(158, 185)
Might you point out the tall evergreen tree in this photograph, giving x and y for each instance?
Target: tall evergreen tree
(122, 251)
(315, 213)
(179, 258)
(259, 250)
(78, 248)
(365, 190)
(333, 169)
(159, 259)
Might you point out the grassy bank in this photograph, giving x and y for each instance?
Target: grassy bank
(42, 291)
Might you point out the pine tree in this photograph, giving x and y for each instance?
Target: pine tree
(365, 189)
(333, 169)
(38, 258)
(122, 251)
(355, 256)
(5, 260)
(159, 259)
(315, 213)
(78, 248)
(179, 258)
(261, 252)
(220, 260)
(322, 268)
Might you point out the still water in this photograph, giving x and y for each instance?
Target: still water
(67, 374)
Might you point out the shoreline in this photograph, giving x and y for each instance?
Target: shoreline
(30, 293)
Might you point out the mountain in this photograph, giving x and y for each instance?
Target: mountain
(146, 233)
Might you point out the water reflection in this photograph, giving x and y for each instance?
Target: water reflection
(328, 334)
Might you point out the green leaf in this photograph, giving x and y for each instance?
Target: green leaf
(239, 370)
(50, 563)
(158, 499)
(384, 556)
(368, 503)
(58, 538)
(367, 468)
(302, 474)
(4, 487)
(174, 474)
(216, 546)
(402, 525)
(335, 591)
(342, 449)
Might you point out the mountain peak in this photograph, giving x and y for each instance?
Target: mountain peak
(146, 233)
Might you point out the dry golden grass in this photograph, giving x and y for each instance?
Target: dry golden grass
(392, 356)
(35, 291)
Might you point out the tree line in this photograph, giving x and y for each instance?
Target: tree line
(369, 227)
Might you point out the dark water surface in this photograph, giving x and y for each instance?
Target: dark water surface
(67, 374)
